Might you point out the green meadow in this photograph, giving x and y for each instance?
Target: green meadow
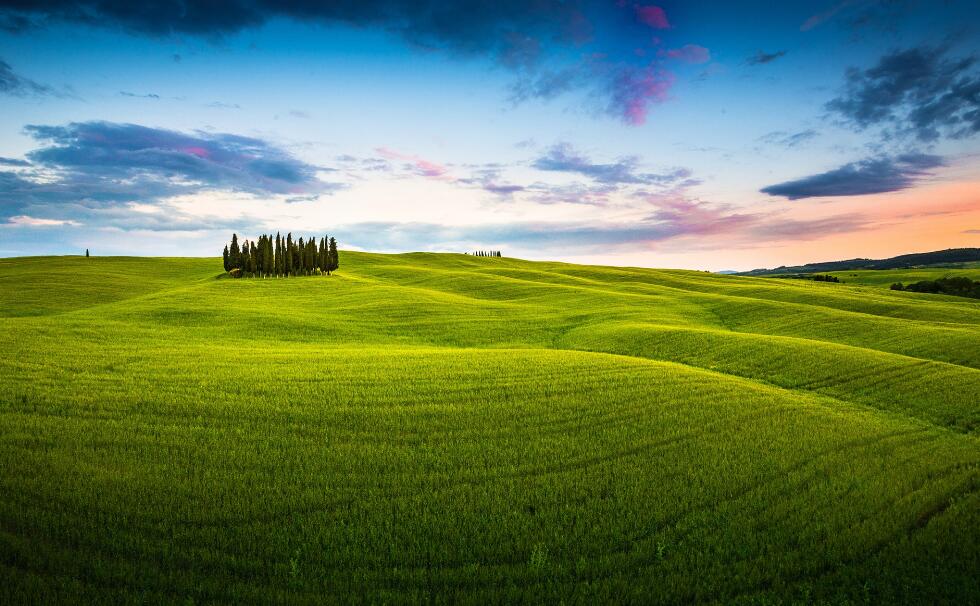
(440, 428)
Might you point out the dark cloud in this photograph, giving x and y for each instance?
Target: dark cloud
(14, 24)
(219, 160)
(13, 162)
(562, 157)
(552, 46)
(785, 139)
(139, 95)
(13, 84)
(96, 171)
(870, 176)
(918, 91)
(761, 58)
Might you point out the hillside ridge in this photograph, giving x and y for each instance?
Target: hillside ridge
(911, 260)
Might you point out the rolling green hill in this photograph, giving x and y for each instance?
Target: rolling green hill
(446, 428)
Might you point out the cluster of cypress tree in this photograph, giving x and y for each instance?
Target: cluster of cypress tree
(487, 253)
(280, 257)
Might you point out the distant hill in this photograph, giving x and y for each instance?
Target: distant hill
(926, 259)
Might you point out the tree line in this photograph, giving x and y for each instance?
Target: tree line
(486, 253)
(957, 286)
(280, 257)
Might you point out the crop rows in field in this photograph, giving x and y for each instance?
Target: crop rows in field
(450, 428)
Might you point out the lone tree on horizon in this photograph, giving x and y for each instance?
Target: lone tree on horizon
(86, 253)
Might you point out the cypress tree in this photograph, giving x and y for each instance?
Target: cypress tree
(224, 257)
(270, 258)
(234, 253)
(300, 261)
(267, 255)
(259, 255)
(278, 269)
(86, 253)
(252, 258)
(333, 260)
(288, 255)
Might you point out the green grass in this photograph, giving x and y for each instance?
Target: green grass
(444, 428)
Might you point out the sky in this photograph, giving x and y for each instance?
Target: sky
(687, 134)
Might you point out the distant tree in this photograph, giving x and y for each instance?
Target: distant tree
(224, 257)
(234, 253)
(322, 255)
(260, 255)
(86, 253)
(287, 266)
(333, 260)
(278, 254)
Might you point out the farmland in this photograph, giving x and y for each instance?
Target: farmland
(447, 428)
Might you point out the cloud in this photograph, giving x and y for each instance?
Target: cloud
(869, 176)
(572, 193)
(654, 16)
(562, 157)
(972, 231)
(761, 58)
(489, 179)
(26, 221)
(121, 151)
(550, 46)
(633, 90)
(420, 166)
(18, 86)
(918, 91)
(13, 162)
(701, 224)
(785, 139)
(690, 53)
(94, 171)
(138, 95)
(822, 17)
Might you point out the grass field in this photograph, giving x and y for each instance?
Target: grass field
(446, 429)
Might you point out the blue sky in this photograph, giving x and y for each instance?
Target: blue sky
(706, 135)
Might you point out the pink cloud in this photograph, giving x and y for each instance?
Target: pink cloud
(820, 18)
(423, 167)
(198, 151)
(635, 90)
(430, 169)
(690, 53)
(654, 16)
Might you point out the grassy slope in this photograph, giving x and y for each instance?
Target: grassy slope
(441, 425)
